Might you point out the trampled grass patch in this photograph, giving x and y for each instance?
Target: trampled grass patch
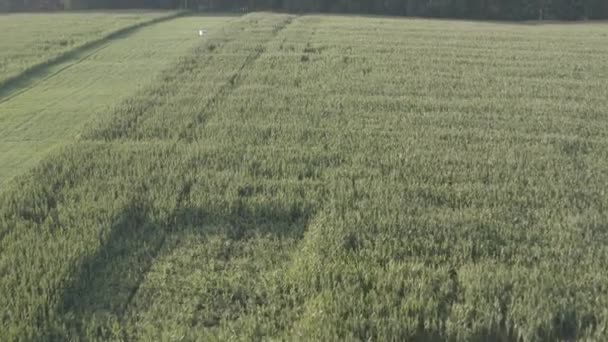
(329, 178)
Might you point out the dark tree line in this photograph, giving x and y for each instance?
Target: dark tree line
(472, 9)
(37, 5)
(477, 9)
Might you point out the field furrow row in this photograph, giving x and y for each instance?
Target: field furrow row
(294, 178)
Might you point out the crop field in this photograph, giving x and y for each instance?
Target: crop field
(29, 40)
(328, 178)
(47, 113)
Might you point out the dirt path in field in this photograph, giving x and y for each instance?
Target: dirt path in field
(47, 109)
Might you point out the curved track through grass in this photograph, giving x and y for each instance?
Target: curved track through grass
(32, 41)
(327, 178)
(50, 112)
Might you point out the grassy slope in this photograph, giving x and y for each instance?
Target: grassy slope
(50, 113)
(330, 177)
(27, 40)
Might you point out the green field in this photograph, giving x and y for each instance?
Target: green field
(50, 112)
(324, 178)
(28, 40)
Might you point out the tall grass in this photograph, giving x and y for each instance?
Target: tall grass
(329, 178)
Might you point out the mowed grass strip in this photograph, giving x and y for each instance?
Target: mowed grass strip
(29, 40)
(52, 112)
(329, 178)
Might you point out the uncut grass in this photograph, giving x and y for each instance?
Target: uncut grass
(27, 40)
(325, 183)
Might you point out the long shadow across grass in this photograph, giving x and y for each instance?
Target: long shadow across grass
(106, 282)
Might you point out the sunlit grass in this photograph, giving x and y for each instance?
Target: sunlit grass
(329, 178)
(50, 112)
(27, 40)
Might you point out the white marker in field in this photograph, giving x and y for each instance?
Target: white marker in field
(202, 32)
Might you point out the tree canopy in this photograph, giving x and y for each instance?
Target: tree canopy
(470, 9)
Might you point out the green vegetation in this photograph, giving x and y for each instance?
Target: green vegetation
(478, 9)
(329, 178)
(31, 40)
(49, 111)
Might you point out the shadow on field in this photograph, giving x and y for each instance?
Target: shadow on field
(15, 85)
(104, 284)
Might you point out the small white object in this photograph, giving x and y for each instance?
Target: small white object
(202, 32)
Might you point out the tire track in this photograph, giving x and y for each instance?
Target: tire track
(36, 83)
(116, 128)
(232, 83)
(39, 73)
(182, 197)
